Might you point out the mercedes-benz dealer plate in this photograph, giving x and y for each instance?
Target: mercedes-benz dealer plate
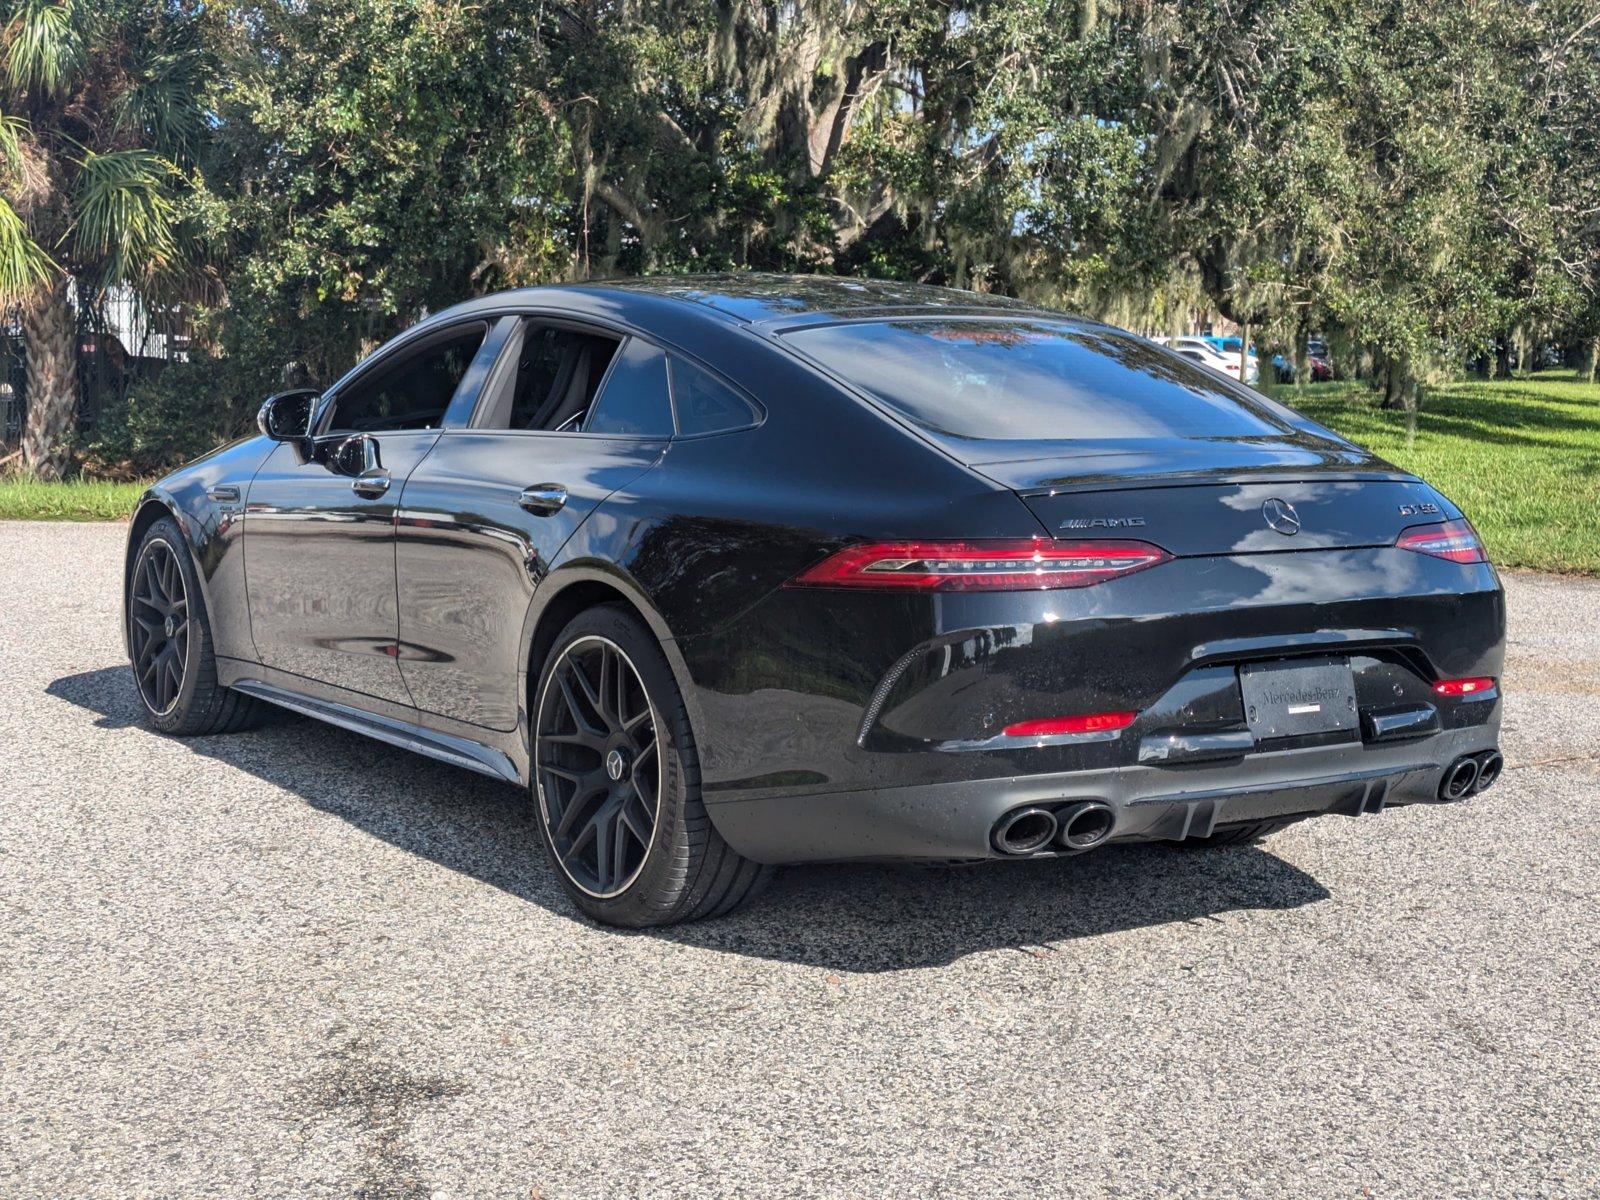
(1288, 699)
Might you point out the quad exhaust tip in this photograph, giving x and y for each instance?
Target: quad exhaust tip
(1024, 831)
(1489, 767)
(1084, 826)
(1459, 780)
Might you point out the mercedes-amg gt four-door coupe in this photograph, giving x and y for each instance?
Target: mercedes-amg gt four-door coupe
(737, 571)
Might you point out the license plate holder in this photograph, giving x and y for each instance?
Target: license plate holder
(1298, 697)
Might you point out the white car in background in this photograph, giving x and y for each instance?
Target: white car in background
(1202, 351)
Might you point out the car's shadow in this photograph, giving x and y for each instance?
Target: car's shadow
(846, 917)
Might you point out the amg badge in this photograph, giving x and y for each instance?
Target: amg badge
(1102, 522)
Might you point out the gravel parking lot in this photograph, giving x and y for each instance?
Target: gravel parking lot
(295, 962)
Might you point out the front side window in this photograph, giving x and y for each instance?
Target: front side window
(413, 392)
(1033, 380)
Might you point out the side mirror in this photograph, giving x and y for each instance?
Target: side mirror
(286, 417)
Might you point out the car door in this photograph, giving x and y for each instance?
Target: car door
(319, 527)
(569, 415)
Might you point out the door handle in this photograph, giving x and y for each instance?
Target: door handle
(224, 493)
(371, 484)
(543, 499)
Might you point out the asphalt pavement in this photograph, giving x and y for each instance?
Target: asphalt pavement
(294, 962)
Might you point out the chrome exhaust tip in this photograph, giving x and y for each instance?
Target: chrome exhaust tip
(1084, 826)
(1024, 831)
(1458, 781)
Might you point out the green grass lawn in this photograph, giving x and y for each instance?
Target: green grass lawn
(71, 500)
(1520, 457)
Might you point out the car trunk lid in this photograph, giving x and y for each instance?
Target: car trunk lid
(1206, 497)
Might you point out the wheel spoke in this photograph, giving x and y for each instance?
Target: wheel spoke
(610, 687)
(151, 587)
(583, 793)
(641, 830)
(579, 717)
(603, 836)
(619, 846)
(589, 692)
(149, 652)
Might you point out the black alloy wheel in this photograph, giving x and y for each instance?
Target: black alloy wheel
(169, 641)
(616, 781)
(600, 766)
(158, 626)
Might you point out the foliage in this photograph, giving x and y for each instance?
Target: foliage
(102, 120)
(1410, 171)
(384, 159)
(1418, 179)
(184, 411)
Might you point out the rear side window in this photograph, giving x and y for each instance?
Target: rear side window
(634, 400)
(994, 380)
(705, 404)
(558, 374)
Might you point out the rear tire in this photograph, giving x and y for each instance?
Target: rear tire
(616, 782)
(169, 639)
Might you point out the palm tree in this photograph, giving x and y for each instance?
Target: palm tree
(101, 115)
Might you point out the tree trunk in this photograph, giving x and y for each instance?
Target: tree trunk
(1501, 367)
(1402, 389)
(1244, 353)
(49, 332)
(1594, 359)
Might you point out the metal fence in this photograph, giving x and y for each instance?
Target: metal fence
(121, 340)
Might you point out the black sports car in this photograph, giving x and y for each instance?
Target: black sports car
(753, 570)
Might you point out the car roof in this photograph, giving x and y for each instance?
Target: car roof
(760, 298)
(754, 299)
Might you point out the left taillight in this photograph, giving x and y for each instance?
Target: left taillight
(1012, 565)
(1454, 540)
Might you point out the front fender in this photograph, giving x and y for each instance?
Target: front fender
(211, 522)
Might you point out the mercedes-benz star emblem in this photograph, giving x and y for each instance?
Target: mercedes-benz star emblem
(615, 764)
(1280, 514)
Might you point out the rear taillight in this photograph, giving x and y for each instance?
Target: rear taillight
(1476, 685)
(1103, 722)
(1455, 540)
(981, 566)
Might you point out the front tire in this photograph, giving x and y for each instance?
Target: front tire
(616, 782)
(169, 641)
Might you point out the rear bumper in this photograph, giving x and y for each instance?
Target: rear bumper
(1152, 803)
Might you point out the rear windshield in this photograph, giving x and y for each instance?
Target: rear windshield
(1003, 380)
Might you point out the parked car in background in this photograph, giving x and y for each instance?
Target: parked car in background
(1203, 351)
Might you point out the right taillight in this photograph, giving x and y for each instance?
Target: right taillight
(1455, 540)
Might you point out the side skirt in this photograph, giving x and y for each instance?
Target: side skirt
(458, 751)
